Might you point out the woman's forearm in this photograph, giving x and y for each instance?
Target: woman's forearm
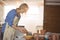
(16, 28)
(23, 30)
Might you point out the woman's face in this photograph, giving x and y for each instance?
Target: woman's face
(25, 10)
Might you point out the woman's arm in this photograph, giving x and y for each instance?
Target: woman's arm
(13, 26)
(15, 22)
(21, 29)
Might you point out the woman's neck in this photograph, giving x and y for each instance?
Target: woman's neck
(18, 13)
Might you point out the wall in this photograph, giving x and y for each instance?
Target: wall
(1, 13)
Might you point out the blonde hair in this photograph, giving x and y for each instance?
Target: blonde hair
(22, 6)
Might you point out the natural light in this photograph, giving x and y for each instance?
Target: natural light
(32, 19)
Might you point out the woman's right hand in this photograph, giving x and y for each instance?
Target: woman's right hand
(21, 29)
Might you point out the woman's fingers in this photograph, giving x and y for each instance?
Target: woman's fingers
(23, 30)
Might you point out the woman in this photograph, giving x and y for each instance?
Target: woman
(10, 28)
